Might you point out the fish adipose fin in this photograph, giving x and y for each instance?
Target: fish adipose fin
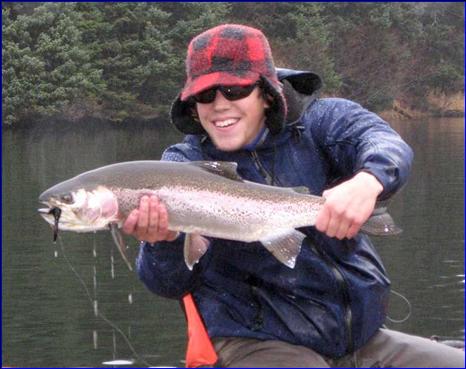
(120, 243)
(195, 246)
(380, 223)
(227, 169)
(285, 246)
(301, 189)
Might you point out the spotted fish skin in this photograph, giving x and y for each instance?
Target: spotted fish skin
(202, 198)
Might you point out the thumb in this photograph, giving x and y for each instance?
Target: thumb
(326, 193)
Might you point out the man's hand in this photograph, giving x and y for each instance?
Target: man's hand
(348, 206)
(149, 222)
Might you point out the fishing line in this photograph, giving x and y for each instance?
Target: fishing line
(102, 316)
(408, 315)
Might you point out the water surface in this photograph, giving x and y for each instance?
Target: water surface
(49, 318)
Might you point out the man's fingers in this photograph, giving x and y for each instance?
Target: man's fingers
(357, 222)
(353, 230)
(149, 222)
(153, 226)
(129, 226)
(342, 230)
(322, 220)
(333, 226)
(143, 220)
(163, 220)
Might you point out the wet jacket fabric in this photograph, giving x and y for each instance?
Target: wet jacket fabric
(335, 298)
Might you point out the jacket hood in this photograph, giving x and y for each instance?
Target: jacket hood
(300, 89)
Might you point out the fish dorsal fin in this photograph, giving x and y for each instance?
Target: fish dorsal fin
(227, 169)
(301, 189)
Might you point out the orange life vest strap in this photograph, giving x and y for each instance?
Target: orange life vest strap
(200, 351)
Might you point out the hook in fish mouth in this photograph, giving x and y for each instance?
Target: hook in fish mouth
(56, 212)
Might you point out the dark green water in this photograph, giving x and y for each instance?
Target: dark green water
(49, 319)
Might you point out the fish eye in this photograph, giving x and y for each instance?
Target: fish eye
(67, 198)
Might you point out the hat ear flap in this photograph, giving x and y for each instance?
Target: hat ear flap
(276, 112)
(184, 116)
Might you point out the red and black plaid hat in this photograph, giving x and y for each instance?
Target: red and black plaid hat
(228, 54)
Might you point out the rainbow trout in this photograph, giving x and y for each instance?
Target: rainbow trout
(202, 199)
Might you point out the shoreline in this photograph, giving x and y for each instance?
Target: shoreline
(437, 106)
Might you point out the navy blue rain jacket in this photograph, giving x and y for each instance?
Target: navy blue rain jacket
(336, 297)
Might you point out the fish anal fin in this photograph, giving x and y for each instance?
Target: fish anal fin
(285, 246)
(120, 243)
(195, 246)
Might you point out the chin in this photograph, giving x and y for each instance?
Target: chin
(227, 146)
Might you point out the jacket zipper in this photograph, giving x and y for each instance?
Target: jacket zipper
(341, 281)
(264, 173)
(344, 290)
(259, 318)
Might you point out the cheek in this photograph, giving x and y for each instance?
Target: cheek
(254, 105)
(256, 111)
(109, 207)
(91, 209)
(90, 214)
(202, 111)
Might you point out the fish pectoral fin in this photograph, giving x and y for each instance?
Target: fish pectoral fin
(195, 246)
(120, 243)
(285, 246)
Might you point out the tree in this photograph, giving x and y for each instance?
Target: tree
(46, 67)
(298, 33)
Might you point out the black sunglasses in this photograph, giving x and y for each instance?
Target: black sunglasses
(231, 93)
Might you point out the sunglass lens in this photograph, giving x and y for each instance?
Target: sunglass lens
(229, 92)
(206, 97)
(237, 92)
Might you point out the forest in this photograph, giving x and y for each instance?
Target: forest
(125, 61)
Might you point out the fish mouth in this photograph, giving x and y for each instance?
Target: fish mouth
(47, 213)
(44, 211)
(52, 216)
(63, 219)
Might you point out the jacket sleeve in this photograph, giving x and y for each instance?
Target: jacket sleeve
(161, 266)
(355, 139)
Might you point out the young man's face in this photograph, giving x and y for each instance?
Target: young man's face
(233, 124)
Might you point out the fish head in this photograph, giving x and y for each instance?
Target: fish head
(79, 209)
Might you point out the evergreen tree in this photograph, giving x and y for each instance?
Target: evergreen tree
(46, 67)
(126, 60)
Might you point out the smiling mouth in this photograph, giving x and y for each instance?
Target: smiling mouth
(225, 123)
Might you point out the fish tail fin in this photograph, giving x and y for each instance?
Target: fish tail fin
(285, 246)
(381, 223)
(120, 244)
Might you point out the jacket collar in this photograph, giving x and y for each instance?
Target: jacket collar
(267, 142)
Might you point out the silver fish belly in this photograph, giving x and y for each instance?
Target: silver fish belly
(202, 199)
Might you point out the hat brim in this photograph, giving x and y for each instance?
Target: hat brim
(204, 82)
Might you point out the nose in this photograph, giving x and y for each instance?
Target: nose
(220, 102)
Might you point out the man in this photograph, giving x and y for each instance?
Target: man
(329, 310)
